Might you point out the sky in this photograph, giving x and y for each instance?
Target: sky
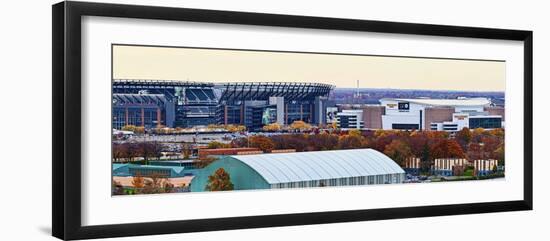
(343, 71)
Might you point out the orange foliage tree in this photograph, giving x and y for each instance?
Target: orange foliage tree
(219, 181)
(263, 142)
(446, 148)
(398, 151)
(138, 182)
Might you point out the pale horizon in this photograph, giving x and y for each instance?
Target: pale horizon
(343, 71)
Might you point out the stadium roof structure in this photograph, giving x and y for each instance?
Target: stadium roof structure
(445, 102)
(138, 98)
(264, 90)
(140, 83)
(320, 165)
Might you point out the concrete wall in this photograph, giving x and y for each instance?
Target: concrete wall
(438, 114)
(372, 116)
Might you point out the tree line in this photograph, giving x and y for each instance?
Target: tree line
(131, 151)
(398, 145)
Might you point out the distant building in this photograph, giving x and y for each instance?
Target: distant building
(444, 166)
(372, 116)
(350, 119)
(304, 169)
(125, 170)
(452, 166)
(485, 167)
(440, 114)
(413, 165)
(331, 113)
(187, 164)
(203, 153)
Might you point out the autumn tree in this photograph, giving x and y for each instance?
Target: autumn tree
(235, 128)
(417, 142)
(217, 145)
(351, 142)
(300, 126)
(139, 130)
(138, 181)
(475, 151)
(272, 127)
(264, 143)
(321, 142)
(464, 137)
(382, 140)
(219, 181)
(398, 151)
(500, 154)
(298, 142)
(490, 145)
(446, 148)
(426, 159)
(498, 132)
(129, 128)
(355, 132)
(154, 184)
(477, 134)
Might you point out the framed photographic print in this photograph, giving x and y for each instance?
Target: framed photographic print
(170, 120)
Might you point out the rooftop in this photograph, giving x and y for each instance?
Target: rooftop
(445, 102)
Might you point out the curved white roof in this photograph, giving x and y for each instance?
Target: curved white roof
(320, 165)
(446, 102)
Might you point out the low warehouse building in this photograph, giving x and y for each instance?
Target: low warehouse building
(132, 170)
(304, 169)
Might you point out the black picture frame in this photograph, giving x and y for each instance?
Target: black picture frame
(66, 75)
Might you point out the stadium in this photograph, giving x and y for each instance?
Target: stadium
(153, 103)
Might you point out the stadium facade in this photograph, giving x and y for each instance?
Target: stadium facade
(193, 103)
(255, 104)
(152, 103)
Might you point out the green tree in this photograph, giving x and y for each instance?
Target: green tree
(219, 181)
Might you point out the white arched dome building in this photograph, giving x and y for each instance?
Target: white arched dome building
(304, 169)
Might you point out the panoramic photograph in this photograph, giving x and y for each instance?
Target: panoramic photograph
(187, 119)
